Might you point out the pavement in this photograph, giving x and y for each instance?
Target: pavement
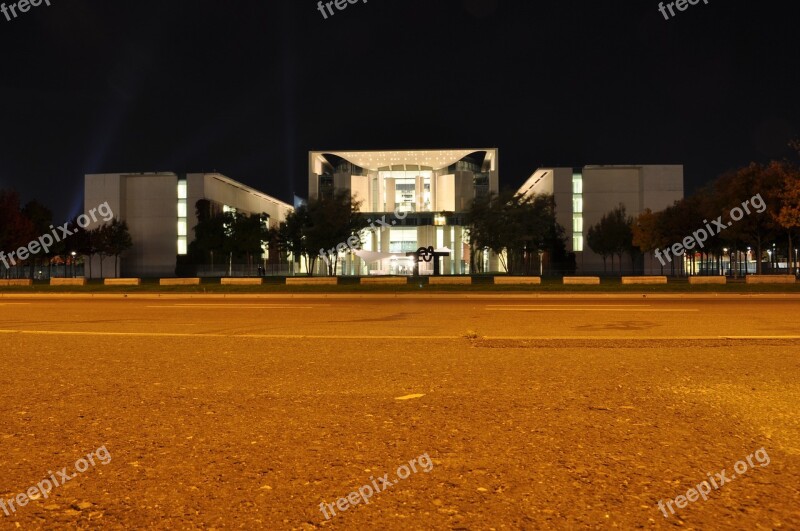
(456, 412)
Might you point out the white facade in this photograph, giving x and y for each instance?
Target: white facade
(429, 189)
(159, 209)
(583, 196)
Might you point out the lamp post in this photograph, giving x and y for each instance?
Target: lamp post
(747, 262)
(73, 253)
(725, 253)
(774, 266)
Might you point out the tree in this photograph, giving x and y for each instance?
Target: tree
(16, 230)
(646, 232)
(598, 241)
(83, 241)
(288, 237)
(40, 218)
(211, 234)
(248, 234)
(100, 238)
(117, 240)
(518, 228)
(612, 235)
(484, 219)
(789, 215)
(331, 221)
(756, 227)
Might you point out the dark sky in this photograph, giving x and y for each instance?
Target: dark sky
(247, 87)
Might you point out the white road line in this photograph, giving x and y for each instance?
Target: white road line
(229, 306)
(588, 310)
(356, 337)
(568, 305)
(630, 338)
(203, 335)
(760, 337)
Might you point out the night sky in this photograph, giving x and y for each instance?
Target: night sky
(248, 87)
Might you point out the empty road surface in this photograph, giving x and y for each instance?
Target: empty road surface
(383, 412)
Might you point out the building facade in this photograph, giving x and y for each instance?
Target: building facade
(159, 209)
(422, 194)
(584, 195)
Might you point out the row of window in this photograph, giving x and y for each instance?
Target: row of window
(577, 212)
(183, 195)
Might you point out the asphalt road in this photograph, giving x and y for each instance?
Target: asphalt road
(518, 413)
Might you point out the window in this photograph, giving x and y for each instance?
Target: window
(577, 183)
(182, 215)
(577, 242)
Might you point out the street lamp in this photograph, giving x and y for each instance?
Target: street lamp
(73, 253)
(725, 253)
(747, 261)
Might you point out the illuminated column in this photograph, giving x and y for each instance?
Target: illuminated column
(494, 263)
(423, 240)
(390, 195)
(458, 249)
(385, 237)
(419, 189)
(447, 262)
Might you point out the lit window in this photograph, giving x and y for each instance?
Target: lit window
(182, 190)
(577, 242)
(577, 223)
(577, 183)
(577, 205)
(182, 245)
(182, 228)
(182, 208)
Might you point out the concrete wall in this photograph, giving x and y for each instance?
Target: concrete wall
(445, 198)
(148, 203)
(637, 187)
(562, 194)
(152, 217)
(464, 190)
(221, 189)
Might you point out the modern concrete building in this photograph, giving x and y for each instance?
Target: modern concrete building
(584, 195)
(429, 189)
(160, 211)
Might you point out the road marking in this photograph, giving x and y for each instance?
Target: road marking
(629, 338)
(409, 397)
(241, 306)
(760, 337)
(574, 309)
(14, 303)
(206, 335)
(568, 305)
(354, 337)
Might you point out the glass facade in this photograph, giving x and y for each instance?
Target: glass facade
(403, 240)
(409, 187)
